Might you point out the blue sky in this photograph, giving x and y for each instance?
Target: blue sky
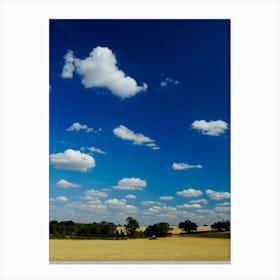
(140, 120)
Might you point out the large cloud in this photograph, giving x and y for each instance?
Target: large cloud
(100, 69)
(211, 128)
(72, 160)
(131, 184)
(217, 195)
(136, 138)
(66, 184)
(185, 166)
(189, 193)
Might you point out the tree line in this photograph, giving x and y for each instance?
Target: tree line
(108, 230)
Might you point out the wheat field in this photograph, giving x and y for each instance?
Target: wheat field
(174, 248)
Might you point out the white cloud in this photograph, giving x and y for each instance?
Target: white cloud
(203, 201)
(185, 166)
(94, 150)
(130, 196)
(77, 127)
(222, 209)
(217, 195)
(100, 69)
(93, 195)
(66, 184)
(157, 209)
(211, 128)
(166, 197)
(137, 138)
(121, 204)
(169, 81)
(195, 205)
(68, 67)
(72, 160)
(189, 193)
(59, 199)
(131, 184)
(148, 202)
(93, 205)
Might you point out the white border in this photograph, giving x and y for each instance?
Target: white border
(254, 130)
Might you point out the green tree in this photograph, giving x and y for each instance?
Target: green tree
(159, 230)
(188, 226)
(131, 226)
(221, 226)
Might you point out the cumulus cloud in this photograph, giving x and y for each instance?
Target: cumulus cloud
(217, 195)
(94, 150)
(93, 205)
(121, 205)
(185, 166)
(66, 184)
(157, 209)
(195, 205)
(189, 193)
(77, 127)
(72, 160)
(211, 128)
(100, 69)
(166, 197)
(93, 194)
(131, 184)
(168, 81)
(68, 68)
(59, 199)
(137, 138)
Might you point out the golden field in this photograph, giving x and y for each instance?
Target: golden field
(193, 247)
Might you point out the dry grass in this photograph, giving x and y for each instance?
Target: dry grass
(175, 248)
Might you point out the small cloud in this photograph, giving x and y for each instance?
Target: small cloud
(169, 81)
(203, 201)
(66, 184)
(130, 196)
(131, 184)
(217, 195)
(93, 205)
(94, 150)
(121, 204)
(72, 160)
(59, 199)
(222, 209)
(166, 198)
(77, 127)
(195, 205)
(100, 70)
(211, 128)
(185, 166)
(189, 193)
(148, 202)
(68, 68)
(93, 195)
(137, 138)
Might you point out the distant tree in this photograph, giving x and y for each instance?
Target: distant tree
(159, 230)
(131, 226)
(188, 226)
(221, 226)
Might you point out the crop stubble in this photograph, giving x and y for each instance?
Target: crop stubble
(175, 248)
